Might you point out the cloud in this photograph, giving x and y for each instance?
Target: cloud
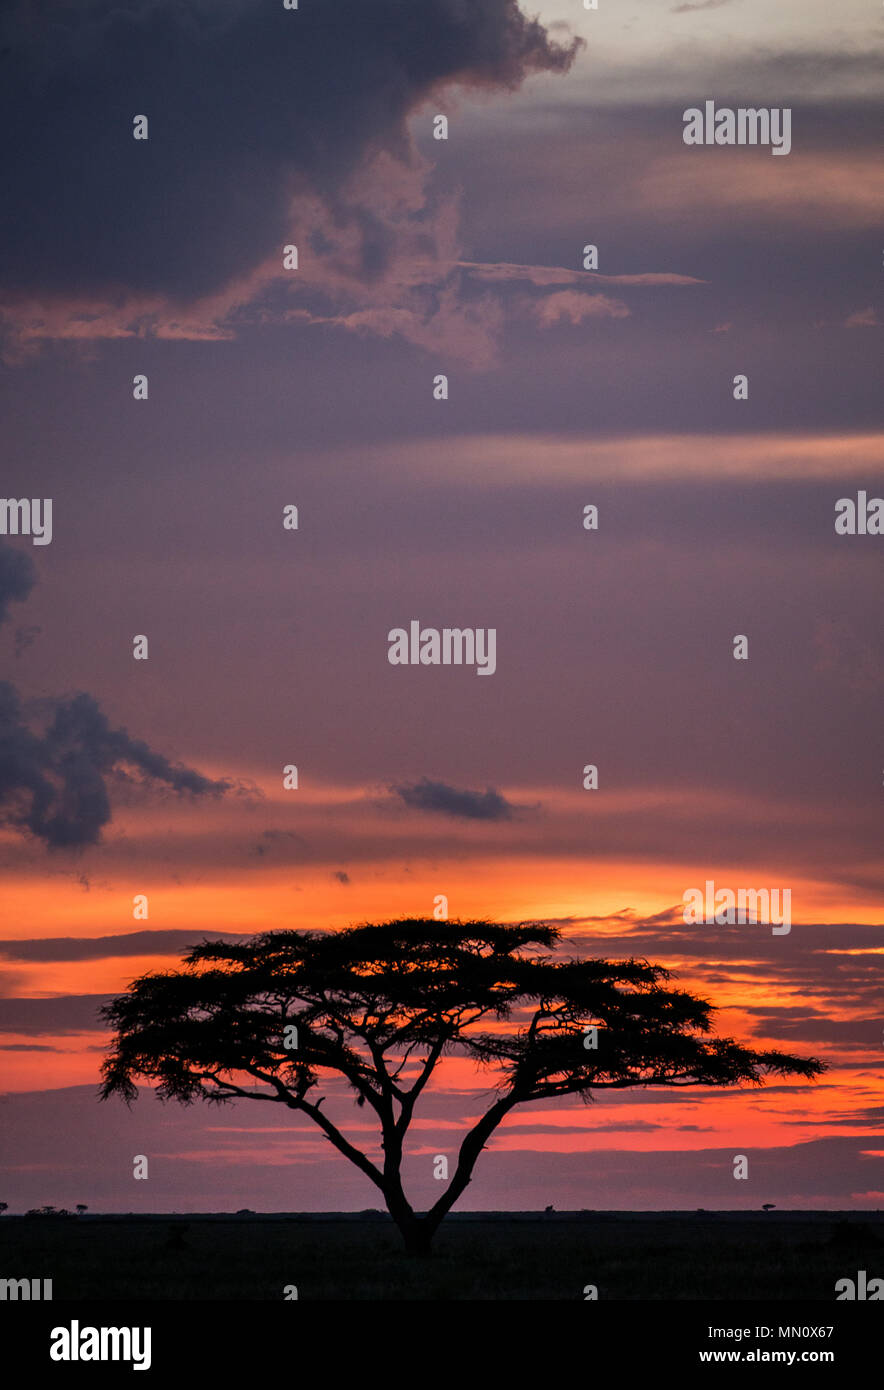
(431, 312)
(700, 5)
(317, 153)
(422, 291)
(453, 801)
(439, 301)
(66, 1013)
(835, 188)
(17, 579)
(252, 111)
(136, 943)
(542, 275)
(506, 459)
(833, 968)
(275, 840)
(863, 318)
(576, 306)
(265, 129)
(26, 637)
(54, 782)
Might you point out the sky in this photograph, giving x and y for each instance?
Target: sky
(272, 387)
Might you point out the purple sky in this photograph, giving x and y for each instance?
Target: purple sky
(464, 257)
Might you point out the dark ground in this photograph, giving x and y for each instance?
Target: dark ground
(627, 1255)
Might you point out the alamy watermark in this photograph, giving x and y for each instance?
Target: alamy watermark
(747, 125)
(864, 517)
(448, 646)
(862, 1289)
(27, 517)
(76, 1343)
(30, 1290)
(721, 907)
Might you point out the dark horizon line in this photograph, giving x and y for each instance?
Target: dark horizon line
(525, 1214)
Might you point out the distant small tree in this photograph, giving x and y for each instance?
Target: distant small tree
(380, 1004)
(4, 1206)
(81, 1208)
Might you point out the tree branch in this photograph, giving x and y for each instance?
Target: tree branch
(330, 1130)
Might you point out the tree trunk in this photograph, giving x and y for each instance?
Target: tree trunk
(418, 1237)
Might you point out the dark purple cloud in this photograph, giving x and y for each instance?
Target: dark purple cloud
(55, 781)
(426, 795)
(247, 105)
(280, 840)
(136, 943)
(65, 1013)
(17, 579)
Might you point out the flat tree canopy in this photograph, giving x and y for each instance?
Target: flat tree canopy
(380, 1004)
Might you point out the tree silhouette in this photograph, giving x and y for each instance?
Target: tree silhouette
(381, 1004)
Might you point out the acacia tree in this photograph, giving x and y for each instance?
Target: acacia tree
(381, 1004)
